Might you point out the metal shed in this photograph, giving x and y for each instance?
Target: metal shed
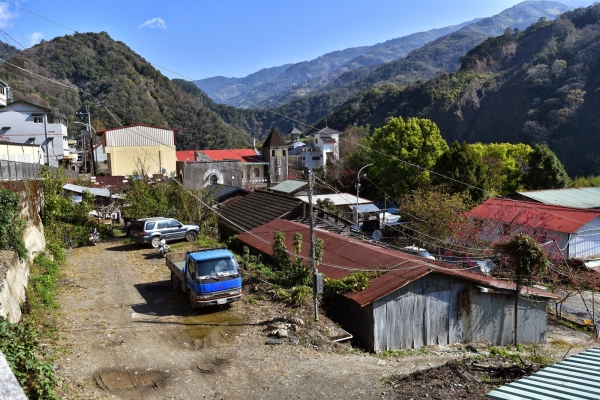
(419, 301)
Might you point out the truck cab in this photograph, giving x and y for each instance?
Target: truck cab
(212, 277)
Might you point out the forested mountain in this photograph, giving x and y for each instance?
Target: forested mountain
(532, 86)
(348, 71)
(108, 73)
(306, 76)
(439, 54)
(220, 88)
(7, 51)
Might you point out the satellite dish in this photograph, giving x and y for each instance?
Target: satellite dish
(376, 235)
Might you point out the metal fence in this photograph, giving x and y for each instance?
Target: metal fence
(10, 170)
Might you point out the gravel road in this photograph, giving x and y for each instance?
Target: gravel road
(129, 335)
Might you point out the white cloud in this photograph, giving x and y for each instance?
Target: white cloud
(35, 38)
(155, 22)
(7, 13)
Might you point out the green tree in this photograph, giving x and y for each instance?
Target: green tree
(545, 170)
(527, 259)
(414, 145)
(463, 165)
(436, 216)
(504, 163)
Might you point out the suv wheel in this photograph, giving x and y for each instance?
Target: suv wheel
(191, 236)
(155, 242)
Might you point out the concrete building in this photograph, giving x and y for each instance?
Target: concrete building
(275, 153)
(27, 123)
(325, 149)
(136, 147)
(243, 168)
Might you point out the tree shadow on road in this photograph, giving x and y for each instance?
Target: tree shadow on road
(124, 247)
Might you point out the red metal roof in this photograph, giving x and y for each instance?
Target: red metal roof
(245, 155)
(343, 256)
(536, 215)
(186, 155)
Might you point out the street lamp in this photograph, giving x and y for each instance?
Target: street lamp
(357, 191)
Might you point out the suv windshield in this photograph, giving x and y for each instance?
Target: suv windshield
(216, 268)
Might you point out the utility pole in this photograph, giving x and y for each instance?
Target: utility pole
(93, 170)
(312, 242)
(47, 147)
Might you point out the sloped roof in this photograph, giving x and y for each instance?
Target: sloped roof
(339, 199)
(573, 378)
(289, 186)
(342, 256)
(134, 125)
(255, 209)
(274, 140)
(219, 191)
(244, 155)
(535, 215)
(570, 197)
(296, 130)
(327, 131)
(80, 189)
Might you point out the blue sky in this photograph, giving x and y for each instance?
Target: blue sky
(200, 39)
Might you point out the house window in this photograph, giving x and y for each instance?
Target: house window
(38, 119)
(283, 153)
(272, 153)
(316, 140)
(213, 179)
(256, 173)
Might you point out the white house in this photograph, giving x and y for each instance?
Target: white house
(325, 148)
(27, 123)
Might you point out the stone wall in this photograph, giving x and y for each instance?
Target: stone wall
(14, 274)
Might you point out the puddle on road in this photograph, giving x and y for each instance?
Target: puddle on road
(213, 329)
(126, 380)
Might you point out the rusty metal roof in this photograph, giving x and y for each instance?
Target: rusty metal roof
(343, 256)
(255, 209)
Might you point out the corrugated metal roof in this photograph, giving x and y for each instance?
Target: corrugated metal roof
(342, 256)
(577, 377)
(339, 199)
(571, 197)
(218, 191)
(79, 189)
(555, 218)
(289, 186)
(257, 208)
(363, 208)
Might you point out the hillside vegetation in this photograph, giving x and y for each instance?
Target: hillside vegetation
(110, 74)
(539, 85)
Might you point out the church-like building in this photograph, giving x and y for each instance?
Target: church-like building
(244, 168)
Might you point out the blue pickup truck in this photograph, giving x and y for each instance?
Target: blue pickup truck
(209, 277)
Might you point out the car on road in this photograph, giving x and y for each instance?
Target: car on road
(152, 230)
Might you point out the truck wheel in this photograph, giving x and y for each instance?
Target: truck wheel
(155, 242)
(191, 236)
(175, 282)
(192, 300)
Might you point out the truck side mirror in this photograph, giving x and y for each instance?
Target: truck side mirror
(195, 275)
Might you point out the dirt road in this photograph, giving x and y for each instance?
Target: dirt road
(129, 335)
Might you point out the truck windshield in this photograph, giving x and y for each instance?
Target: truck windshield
(220, 267)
